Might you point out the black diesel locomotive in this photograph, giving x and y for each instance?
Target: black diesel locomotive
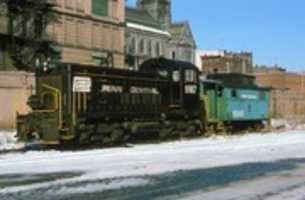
(86, 104)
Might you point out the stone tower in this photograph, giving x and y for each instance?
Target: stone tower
(160, 10)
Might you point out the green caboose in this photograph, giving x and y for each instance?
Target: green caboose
(234, 100)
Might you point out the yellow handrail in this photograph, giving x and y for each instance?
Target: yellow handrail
(57, 103)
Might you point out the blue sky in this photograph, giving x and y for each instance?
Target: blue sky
(274, 30)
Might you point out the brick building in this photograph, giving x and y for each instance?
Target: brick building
(279, 78)
(90, 31)
(224, 62)
(288, 91)
(86, 31)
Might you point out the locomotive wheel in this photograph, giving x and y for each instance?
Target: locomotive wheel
(165, 133)
(191, 131)
(117, 135)
(83, 134)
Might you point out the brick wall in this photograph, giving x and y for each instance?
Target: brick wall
(288, 94)
(226, 62)
(287, 104)
(15, 88)
(282, 80)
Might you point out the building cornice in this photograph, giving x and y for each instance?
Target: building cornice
(148, 29)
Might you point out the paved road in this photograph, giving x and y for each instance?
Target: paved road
(255, 166)
(283, 179)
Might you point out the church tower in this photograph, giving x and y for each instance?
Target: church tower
(160, 10)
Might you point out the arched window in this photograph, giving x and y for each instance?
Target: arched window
(158, 49)
(173, 55)
(149, 48)
(133, 44)
(141, 46)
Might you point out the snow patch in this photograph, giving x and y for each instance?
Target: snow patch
(8, 140)
(99, 187)
(287, 124)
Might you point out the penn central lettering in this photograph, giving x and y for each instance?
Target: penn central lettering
(143, 90)
(132, 90)
(248, 96)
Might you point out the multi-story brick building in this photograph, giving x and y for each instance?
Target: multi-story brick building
(86, 31)
(90, 31)
(224, 62)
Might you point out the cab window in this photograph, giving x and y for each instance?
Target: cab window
(233, 93)
(190, 76)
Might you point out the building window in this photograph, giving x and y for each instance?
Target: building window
(115, 5)
(58, 30)
(80, 7)
(141, 46)
(132, 47)
(69, 4)
(158, 49)
(1, 56)
(149, 48)
(173, 55)
(81, 34)
(95, 36)
(70, 31)
(100, 7)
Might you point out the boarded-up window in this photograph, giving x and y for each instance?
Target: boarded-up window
(70, 31)
(100, 7)
(58, 30)
(96, 36)
(102, 37)
(116, 41)
(114, 9)
(81, 33)
(108, 37)
(69, 4)
(80, 7)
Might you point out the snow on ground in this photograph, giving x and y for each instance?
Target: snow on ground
(155, 158)
(288, 124)
(282, 186)
(8, 140)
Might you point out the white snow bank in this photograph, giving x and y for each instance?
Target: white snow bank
(155, 158)
(8, 140)
(98, 187)
(287, 124)
(280, 124)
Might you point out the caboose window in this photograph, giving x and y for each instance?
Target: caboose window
(220, 91)
(233, 93)
(262, 95)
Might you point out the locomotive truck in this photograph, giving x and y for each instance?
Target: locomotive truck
(164, 99)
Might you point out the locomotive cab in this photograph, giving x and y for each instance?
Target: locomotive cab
(182, 96)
